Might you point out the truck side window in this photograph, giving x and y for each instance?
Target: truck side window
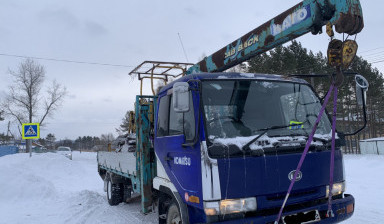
(189, 121)
(175, 121)
(162, 119)
(182, 123)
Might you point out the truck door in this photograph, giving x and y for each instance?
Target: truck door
(177, 149)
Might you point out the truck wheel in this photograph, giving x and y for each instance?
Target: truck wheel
(114, 193)
(127, 189)
(173, 214)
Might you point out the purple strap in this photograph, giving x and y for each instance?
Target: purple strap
(330, 213)
(309, 141)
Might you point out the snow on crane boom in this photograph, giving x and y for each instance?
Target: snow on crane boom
(307, 16)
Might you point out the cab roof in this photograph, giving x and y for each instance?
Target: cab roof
(232, 76)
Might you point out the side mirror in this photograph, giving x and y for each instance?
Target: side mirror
(361, 89)
(361, 98)
(180, 97)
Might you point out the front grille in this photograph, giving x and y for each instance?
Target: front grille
(287, 208)
(278, 197)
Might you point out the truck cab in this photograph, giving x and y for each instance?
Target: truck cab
(227, 146)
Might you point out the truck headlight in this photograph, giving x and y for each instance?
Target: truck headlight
(212, 208)
(229, 206)
(338, 188)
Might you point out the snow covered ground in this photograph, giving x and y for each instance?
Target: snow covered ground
(365, 181)
(49, 188)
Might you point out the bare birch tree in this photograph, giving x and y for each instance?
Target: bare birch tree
(25, 102)
(106, 140)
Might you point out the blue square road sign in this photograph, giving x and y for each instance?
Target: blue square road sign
(31, 131)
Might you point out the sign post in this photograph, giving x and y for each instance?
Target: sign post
(31, 131)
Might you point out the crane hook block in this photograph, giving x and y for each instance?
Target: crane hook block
(349, 52)
(334, 53)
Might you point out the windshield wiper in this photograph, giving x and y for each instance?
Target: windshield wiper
(264, 130)
(322, 140)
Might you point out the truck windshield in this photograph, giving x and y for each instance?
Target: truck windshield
(235, 109)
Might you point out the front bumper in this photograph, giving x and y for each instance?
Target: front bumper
(339, 207)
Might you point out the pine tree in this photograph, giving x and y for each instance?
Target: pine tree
(128, 123)
(50, 141)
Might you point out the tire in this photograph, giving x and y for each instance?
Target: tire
(173, 214)
(114, 193)
(127, 191)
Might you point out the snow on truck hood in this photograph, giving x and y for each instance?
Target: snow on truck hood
(270, 141)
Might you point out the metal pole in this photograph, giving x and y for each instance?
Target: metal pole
(377, 148)
(28, 145)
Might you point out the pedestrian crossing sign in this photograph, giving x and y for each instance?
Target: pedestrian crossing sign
(31, 130)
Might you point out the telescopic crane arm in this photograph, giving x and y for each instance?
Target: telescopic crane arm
(308, 16)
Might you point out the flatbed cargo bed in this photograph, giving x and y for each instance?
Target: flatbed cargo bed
(118, 162)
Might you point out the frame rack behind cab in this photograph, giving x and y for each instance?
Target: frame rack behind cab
(144, 122)
(159, 70)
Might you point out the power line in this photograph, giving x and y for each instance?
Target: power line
(371, 50)
(373, 54)
(375, 59)
(377, 62)
(67, 61)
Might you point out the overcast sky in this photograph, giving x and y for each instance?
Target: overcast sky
(127, 33)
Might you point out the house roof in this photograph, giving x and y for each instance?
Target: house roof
(373, 139)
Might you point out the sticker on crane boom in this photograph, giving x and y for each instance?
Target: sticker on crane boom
(234, 51)
(292, 19)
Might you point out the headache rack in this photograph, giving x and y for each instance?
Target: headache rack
(159, 70)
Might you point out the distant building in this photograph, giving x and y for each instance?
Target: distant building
(372, 146)
(97, 148)
(36, 147)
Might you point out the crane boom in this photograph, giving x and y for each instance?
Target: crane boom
(307, 16)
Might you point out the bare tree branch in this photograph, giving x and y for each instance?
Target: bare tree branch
(1, 115)
(25, 102)
(9, 111)
(56, 94)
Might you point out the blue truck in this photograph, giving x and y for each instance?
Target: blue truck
(218, 147)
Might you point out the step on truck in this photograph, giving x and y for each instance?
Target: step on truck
(224, 147)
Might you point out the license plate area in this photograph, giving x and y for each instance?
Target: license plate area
(302, 217)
